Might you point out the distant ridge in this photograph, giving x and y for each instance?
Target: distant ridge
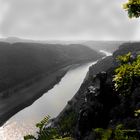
(109, 46)
(85, 42)
(22, 61)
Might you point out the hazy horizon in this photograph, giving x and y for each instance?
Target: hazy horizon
(63, 40)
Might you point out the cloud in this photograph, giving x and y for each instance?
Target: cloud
(3, 10)
(67, 19)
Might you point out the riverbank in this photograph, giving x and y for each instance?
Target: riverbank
(27, 95)
(30, 92)
(51, 103)
(100, 65)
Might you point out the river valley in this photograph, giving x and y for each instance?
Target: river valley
(50, 103)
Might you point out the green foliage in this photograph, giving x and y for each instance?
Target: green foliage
(137, 113)
(124, 59)
(66, 138)
(41, 124)
(43, 133)
(67, 124)
(125, 74)
(122, 134)
(47, 133)
(119, 127)
(102, 134)
(133, 8)
(119, 133)
(29, 137)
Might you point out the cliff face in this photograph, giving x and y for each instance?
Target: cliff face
(97, 105)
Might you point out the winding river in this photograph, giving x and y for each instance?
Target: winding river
(50, 103)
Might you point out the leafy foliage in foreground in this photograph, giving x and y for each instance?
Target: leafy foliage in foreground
(46, 133)
(119, 133)
(67, 124)
(137, 113)
(133, 8)
(126, 73)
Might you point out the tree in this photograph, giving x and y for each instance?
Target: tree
(46, 133)
(133, 8)
(126, 73)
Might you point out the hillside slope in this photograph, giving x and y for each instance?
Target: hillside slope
(109, 46)
(98, 105)
(28, 70)
(20, 62)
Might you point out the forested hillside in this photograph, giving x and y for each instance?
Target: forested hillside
(109, 46)
(22, 61)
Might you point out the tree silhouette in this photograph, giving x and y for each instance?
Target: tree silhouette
(133, 8)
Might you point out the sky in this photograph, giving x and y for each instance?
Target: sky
(67, 20)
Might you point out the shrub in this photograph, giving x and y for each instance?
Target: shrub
(133, 8)
(119, 133)
(137, 113)
(67, 124)
(102, 134)
(46, 133)
(128, 70)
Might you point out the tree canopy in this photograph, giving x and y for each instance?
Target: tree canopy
(126, 73)
(133, 8)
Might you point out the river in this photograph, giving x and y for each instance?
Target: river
(51, 103)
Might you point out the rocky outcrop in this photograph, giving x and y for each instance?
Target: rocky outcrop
(98, 102)
(97, 105)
